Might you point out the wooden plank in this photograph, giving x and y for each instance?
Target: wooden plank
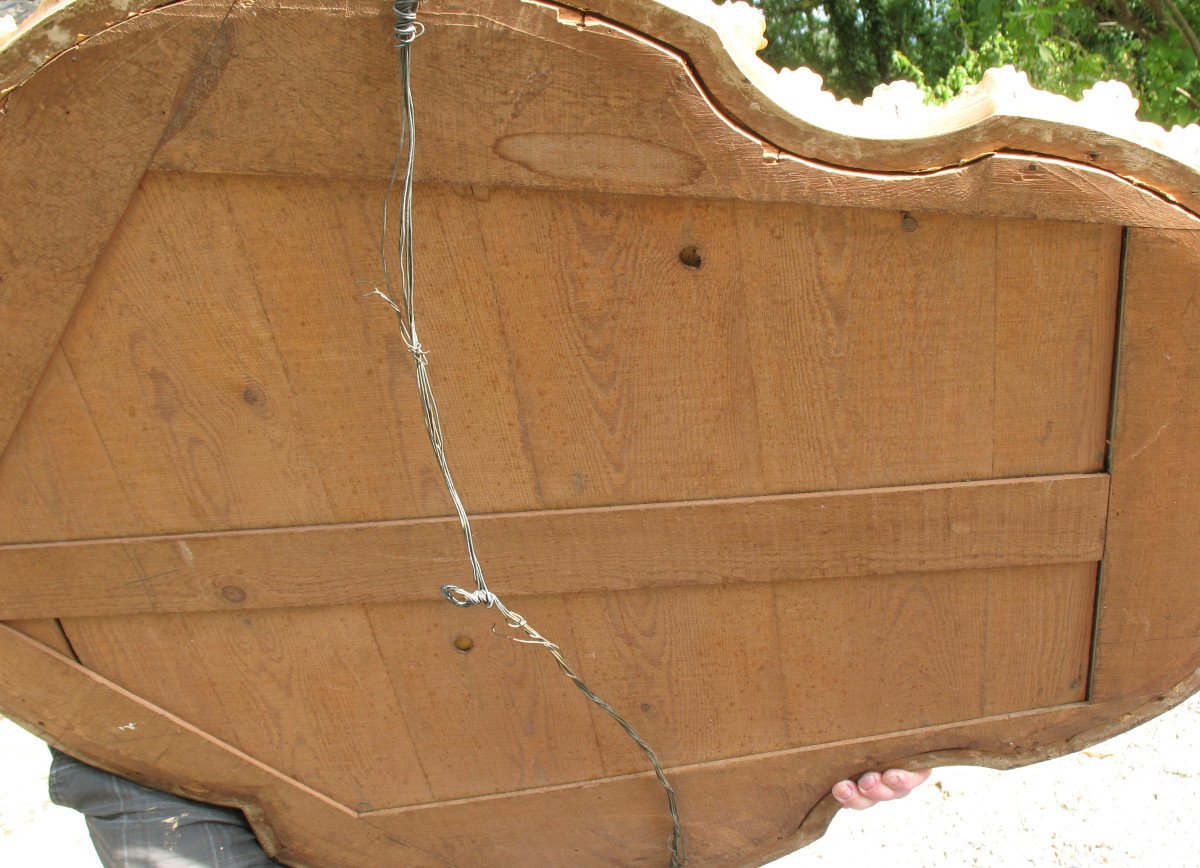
(965, 632)
(47, 493)
(596, 57)
(186, 388)
(48, 631)
(1032, 433)
(789, 537)
(82, 712)
(1148, 635)
(672, 658)
(77, 137)
(743, 811)
(1003, 115)
(264, 390)
(495, 717)
(766, 666)
(303, 691)
(578, 823)
(596, 110)
(1030, 659)
(901, 368)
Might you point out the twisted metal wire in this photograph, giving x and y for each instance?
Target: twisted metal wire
(406, 31)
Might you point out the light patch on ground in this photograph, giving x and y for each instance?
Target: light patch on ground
(33, 832)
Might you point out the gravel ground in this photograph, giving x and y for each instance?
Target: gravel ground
(1131, 801)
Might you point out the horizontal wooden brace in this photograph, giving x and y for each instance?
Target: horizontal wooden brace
(1011, 522)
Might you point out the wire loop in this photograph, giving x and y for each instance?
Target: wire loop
(406, 30)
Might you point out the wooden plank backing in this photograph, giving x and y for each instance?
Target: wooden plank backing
(48, 631)
(794, 537)
(231, 374)
(1148, 635)
(579, 823)
(76, 139)
(96, 720)
(744, 811)
(581, 109)
(331, 696)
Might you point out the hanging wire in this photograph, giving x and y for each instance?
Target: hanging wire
(406, 31)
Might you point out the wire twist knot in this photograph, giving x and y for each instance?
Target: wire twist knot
(407, 28)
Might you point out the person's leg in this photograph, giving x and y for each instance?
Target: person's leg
(136, 827)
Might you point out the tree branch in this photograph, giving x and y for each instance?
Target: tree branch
(1162, 18)
(1120, 13)
(1185, 27)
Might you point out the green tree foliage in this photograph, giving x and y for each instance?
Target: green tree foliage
(1064, 45)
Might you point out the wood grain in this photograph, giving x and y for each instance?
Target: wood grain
(297, 690)
(794, 538)
(723, 410)
(585, 109)
(48, 631)
(50, 493)
(977, 127)
(603, 817)
(585, 820)
(104, 111)
(579, 358)
(663, 50)
(766, 667)
(89, 716)
(1148, 635)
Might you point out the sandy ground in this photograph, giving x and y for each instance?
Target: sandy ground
(1131, 801)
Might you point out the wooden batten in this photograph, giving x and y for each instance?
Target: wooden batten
(1049, 520)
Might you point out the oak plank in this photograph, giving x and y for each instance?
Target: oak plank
(782, 538)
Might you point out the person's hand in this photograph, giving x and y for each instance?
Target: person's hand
(874, 787)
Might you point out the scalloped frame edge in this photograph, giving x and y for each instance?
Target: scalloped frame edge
(893, 130)
(897, 110)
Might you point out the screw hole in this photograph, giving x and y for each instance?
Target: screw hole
(908, 222)
(464, 644)
(690, 257)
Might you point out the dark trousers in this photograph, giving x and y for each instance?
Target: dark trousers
(136, 827)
